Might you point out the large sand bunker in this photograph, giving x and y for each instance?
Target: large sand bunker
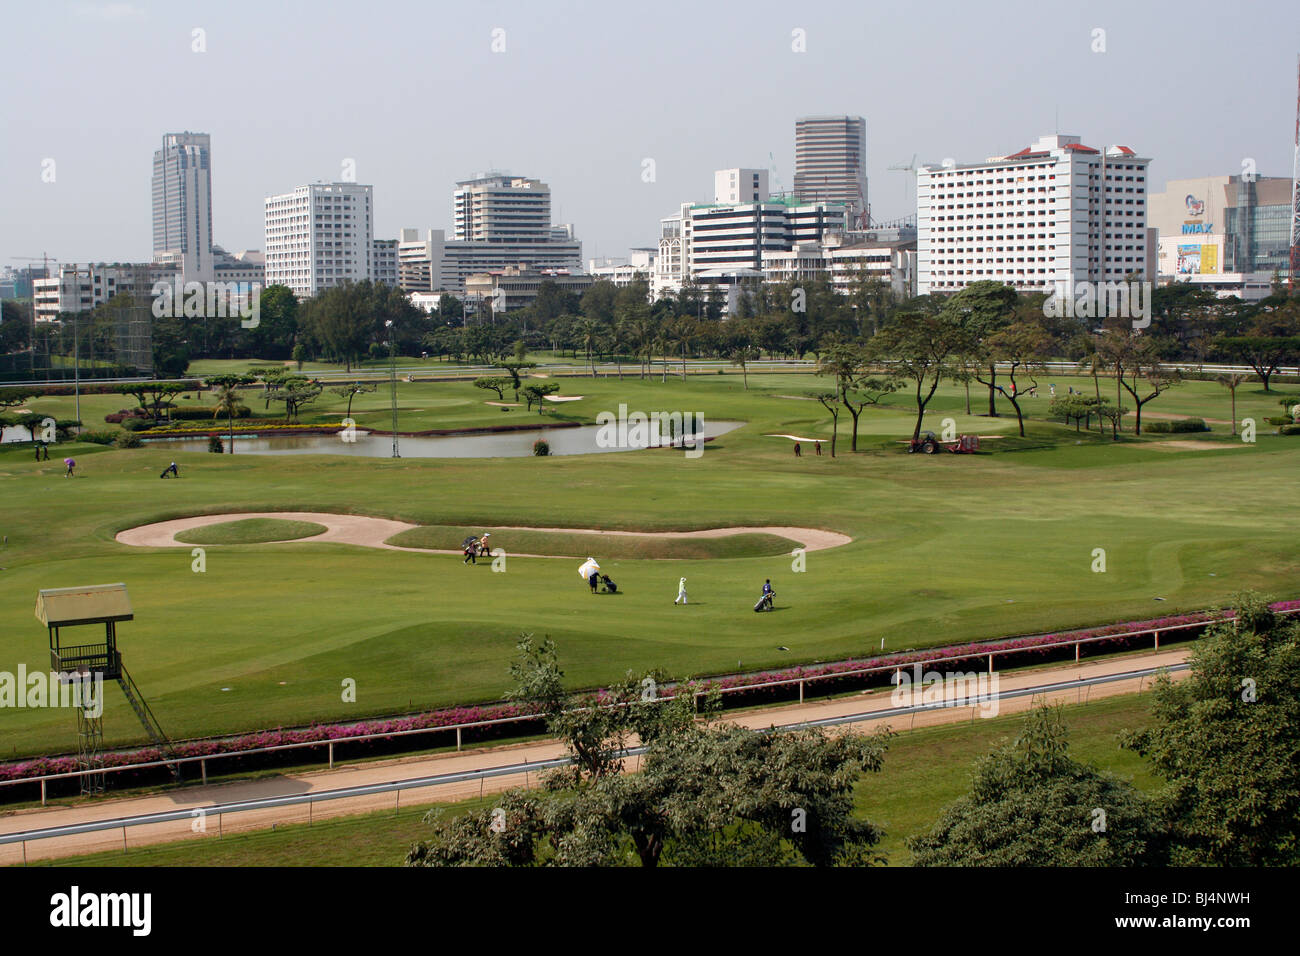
(375, 532)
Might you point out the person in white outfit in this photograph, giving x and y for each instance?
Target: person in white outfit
(681, 592)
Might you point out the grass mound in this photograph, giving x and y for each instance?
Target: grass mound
(608, 546)
(251, 531)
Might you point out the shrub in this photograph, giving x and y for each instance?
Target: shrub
(98, 438)
(1175, 427)
(215, 446)
(541, 447)
(190, 413)
(1277, 421)
(127, 440)
(136, 424)
(1289, 430)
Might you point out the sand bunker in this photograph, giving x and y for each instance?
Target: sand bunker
(564, 398)
(374, 532)
(1190, 444)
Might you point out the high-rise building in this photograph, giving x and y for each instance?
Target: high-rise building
(830, 163)
(320, 235)
(501, 208)
(385, 269)
(503, 221)
(1045, 218)
(182, 204)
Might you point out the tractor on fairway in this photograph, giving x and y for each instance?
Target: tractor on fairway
(928, 444)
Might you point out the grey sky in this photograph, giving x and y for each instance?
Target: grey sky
(585, 91)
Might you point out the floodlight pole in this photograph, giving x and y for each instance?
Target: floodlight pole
(392, 372)
(76, 364)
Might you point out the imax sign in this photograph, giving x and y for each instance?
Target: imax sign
(1191, 228)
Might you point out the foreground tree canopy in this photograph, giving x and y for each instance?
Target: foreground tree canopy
(1032, 805)
(1227, 739)
(704, 794)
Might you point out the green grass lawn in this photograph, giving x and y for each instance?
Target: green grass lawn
(946, 548)
(924, 771)
(251, 531)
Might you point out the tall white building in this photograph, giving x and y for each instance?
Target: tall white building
(740, 185)
(830, 162)
(503, 221)
(182, 204)
(502, 208)
(385, 269)
(320, 235)
(1055, 213)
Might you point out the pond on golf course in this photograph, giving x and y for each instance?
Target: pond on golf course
(581, 440)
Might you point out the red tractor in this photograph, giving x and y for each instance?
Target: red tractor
(928, 444)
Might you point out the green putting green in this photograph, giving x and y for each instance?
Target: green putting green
(576, 544)
(251, 531)
(945, 548)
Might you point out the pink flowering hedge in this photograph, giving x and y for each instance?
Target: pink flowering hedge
(1011, 651)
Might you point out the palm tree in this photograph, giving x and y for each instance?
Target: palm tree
(589, 334)
(1230, 382)
(663, 341)
(682, 332)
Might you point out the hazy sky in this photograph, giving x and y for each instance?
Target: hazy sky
(584, 92)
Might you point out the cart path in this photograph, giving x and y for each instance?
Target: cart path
(385, 771)
(374, 532)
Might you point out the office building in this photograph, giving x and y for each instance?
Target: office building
(830, 163)
(318, 236)
(1045, 218)
(182, 204)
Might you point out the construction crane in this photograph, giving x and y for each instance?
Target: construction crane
(908, 168)
(44, 259)
(1293, 269)
(776, 177)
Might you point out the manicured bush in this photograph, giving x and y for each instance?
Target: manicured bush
(1290, 430)
(127, 440)
(541, 447)
(1178, 427)
(201, 413)
(215, 446)
(98, 438)
(137, 424)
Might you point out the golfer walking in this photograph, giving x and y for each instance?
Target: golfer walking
(681, 592)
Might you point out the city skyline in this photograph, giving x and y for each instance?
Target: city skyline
(616, 163)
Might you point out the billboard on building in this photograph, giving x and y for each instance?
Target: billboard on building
(1209, 260)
